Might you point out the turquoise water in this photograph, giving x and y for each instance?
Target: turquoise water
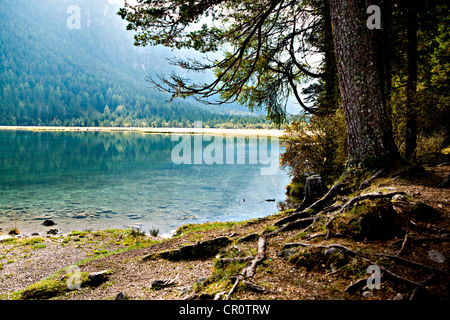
(99, 180)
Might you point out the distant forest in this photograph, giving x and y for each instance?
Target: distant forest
(51, 75)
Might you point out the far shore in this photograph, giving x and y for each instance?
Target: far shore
(159, 130)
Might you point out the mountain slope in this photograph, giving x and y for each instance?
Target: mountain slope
(91, 75)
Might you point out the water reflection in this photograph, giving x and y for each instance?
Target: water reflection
(104, 179)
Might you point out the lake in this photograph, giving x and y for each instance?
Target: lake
(99, 180)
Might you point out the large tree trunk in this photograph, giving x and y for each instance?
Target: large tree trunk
(330, 101)
(387, 51)
(369, 131)
(411, 83)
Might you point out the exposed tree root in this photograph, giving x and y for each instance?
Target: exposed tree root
(365, 184)
(226, 261)
(304, 220)
(445, 183)
(409, 170)
(329, 195)
(249, 270)
(301, 223)
(410, 262)
(328, 226)
(370, 196)
(387, 273)
(404, 244)
(299, 214)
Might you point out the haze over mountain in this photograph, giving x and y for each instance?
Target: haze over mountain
(72, 62)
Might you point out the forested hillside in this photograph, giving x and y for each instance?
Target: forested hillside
(51, 74)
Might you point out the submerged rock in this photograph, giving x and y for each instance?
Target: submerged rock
(14, 231)
(43, 218)
(48, 223)
(80, 216)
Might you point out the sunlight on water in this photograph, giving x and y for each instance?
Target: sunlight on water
(98, 180)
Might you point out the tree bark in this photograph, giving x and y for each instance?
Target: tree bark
(330, 101)
(411, 83)
(369, 130)
(314, 189)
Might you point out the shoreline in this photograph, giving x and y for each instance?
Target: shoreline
(156, 130)
(37, 268)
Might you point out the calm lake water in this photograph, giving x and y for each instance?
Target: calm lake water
(99, 180)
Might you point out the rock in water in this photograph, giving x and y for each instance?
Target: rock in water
(80, 216)
(14, 232)
(48, 223)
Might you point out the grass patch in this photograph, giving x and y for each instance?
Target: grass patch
(219, 280)
(80, 234)
(204, 227)
(44, 289)
(39, 246)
